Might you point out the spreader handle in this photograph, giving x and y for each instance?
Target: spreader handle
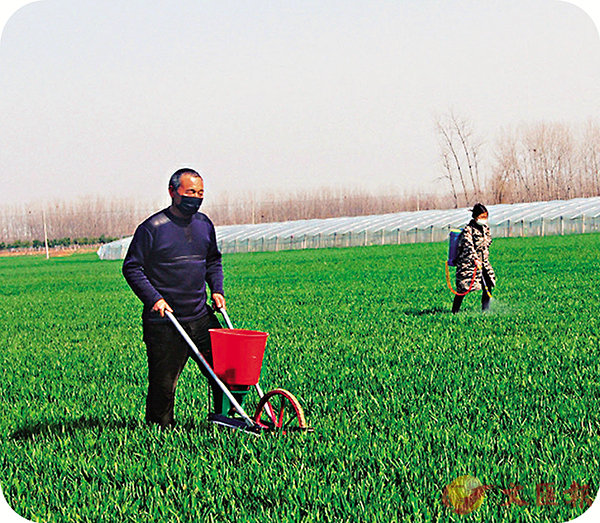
(225, 390)
(226, 316)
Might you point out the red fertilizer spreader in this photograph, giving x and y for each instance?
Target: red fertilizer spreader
(237, 362)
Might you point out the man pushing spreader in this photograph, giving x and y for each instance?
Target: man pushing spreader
(172, 257)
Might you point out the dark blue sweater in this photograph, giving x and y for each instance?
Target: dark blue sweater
(174, 258)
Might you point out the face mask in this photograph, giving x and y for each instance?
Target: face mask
(189, 205)
(482, 222)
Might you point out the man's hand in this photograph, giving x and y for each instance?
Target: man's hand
(218, 300)
(161, 306)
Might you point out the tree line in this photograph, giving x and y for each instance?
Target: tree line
(56, 242)
(535, 162)
(102, 220)
(65, 223)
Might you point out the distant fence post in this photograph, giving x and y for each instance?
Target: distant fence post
(562, 226)
(543, 232)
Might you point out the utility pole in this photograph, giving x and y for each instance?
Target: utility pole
(45, 234)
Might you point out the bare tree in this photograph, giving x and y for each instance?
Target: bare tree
(546, 161)
(470, 149)
(590, 158)
(449, 175)
(460, 156)
(504, 171)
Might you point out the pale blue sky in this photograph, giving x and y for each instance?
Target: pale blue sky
(102, 98)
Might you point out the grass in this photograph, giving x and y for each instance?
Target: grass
(404, 396)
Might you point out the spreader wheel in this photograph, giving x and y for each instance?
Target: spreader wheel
(279, 410)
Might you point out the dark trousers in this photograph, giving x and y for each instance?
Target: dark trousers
(168, 353)
(485, 299)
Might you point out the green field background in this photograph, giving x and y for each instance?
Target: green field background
(404, 396)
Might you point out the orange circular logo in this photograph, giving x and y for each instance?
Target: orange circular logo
(465, 494)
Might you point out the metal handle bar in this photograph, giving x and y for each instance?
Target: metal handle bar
(226, 316)
(249, 421)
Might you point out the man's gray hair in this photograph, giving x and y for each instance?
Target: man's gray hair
(175, 180)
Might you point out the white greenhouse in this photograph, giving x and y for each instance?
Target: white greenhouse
(580, 215)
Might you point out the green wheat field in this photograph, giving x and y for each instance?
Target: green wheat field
(404, 397)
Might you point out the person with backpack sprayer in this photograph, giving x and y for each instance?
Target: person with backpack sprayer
(473, 268)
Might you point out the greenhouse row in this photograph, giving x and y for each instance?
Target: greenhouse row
(575, 216)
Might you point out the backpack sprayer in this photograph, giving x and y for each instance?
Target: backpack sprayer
(453, 242)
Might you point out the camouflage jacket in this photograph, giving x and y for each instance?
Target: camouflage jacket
(474, 244)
